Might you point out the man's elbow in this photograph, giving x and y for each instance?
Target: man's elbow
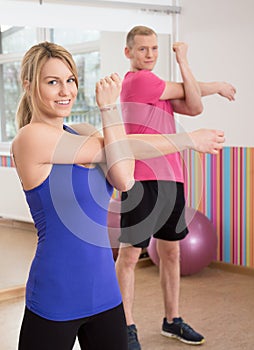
(198, 109)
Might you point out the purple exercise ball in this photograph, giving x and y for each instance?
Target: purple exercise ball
(198, 249)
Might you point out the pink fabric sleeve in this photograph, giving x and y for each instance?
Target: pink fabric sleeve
(147, 87)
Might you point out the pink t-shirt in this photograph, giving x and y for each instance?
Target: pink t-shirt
(144, 113)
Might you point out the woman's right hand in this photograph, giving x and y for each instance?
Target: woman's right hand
(108, 90)
(207, 140)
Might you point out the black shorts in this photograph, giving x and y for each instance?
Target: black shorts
(153, 208)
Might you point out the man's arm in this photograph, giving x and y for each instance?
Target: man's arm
(181, 96)
(189, 100)
(175, 90)
(218, 87)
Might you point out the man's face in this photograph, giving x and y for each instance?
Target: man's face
(144, 52)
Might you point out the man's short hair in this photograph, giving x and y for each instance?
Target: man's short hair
(138, 30)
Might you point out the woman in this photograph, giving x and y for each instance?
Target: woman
(72, 288)
(72, 276)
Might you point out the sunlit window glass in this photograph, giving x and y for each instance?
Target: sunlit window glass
(14, 41)
(17, 39)
(74, 36)
(84, 109)
(9, 96)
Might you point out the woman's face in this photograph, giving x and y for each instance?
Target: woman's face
(57, 88)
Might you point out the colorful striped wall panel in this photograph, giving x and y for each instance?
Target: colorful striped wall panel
(6, 161)
(222, 187)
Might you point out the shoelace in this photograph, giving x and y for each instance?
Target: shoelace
(187, 328)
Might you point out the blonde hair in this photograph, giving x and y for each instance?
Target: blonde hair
(31, 67)
(138, 30)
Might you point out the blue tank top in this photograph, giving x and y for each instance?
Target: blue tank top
(73, 272)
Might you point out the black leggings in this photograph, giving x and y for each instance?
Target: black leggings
(106, 330)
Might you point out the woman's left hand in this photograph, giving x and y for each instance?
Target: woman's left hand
(108, 90)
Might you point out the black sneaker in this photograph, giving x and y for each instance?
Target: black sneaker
(133, 343)
(181, 331)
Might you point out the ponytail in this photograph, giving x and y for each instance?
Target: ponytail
(24, 111)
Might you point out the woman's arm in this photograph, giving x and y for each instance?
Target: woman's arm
(155, 145)
(145, 146)
(120, 161)
(65, 148)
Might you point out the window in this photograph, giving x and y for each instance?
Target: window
(14, 41)
(84, 109)
(9, 95)
(17, 39)
(66, 37)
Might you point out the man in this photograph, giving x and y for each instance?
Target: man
(155, 205)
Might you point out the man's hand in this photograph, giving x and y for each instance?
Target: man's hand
(207, 140)
(180, 49)
(227, 90)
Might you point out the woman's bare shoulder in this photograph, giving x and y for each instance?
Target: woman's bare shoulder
(85, 129)
(34, 135)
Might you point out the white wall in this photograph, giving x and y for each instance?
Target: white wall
(12, 200)
(74, 14)
(221, 47)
